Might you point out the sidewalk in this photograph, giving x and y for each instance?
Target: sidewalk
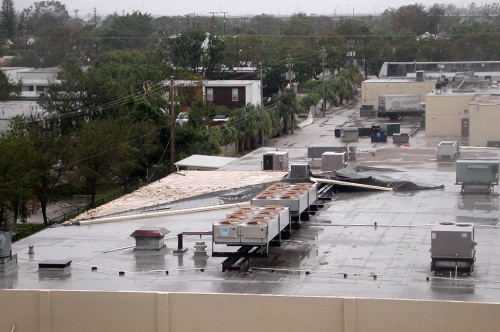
(57, 210)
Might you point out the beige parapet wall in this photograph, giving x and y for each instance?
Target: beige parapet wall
(74, 311)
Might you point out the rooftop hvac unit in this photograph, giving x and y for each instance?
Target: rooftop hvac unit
(451, 240)
(5, 243)
(477, 175)
(420, 75)
(477, 171)
(452, 248)
(448, 150)
(332, 161)
(275, 161)
(299, 170)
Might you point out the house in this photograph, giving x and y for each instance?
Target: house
(33, 81)
(4, 61)
(233, 93)
(7, 43)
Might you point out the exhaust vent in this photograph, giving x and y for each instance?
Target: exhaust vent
(150, 238)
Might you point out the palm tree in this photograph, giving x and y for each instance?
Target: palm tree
(286, 105)
(351, 73)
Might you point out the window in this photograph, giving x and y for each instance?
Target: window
(31, 88)
(235, 94)
(210, 94)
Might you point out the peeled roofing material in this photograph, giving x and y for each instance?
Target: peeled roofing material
(379, 177)
(179, 185)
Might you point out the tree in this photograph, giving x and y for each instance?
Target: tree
(97, 145)
(247, 124)
(48, 156)
(135, 147)
(131, 31)
(286, 106)
(264, 24)
(411, 17)
(298, 25)
(214, 58)
(186, 50)
(42, 14)
(197, 50)
(8, 18)
(8, 90)
(14, 182)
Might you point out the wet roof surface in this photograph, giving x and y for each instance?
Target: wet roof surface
(339, 252)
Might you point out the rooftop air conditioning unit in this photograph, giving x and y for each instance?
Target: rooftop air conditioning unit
(275, 161)
(419, 75)
(299, 170)
(332, 161)
(5, 243)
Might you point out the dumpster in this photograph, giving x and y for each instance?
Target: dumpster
(379, 136)
(393, 128)
(400, 138)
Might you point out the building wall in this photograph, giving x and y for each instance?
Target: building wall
(253, 94)
(484, 123)
(372, 89)
(223, 96)
(444, 112)
(58, 311)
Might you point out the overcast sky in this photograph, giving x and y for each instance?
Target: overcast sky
(234, 7)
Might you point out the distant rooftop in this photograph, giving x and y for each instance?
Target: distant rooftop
(203, 162)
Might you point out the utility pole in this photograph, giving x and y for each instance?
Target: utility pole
(237, 51)
(95, 29)
(172, 125)
(289, 67)
(323, 64)
(261, 76)
(290, 77)
(213, 21)
(364, 56)
(224, 13)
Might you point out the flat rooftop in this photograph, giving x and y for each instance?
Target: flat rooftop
(338, 252)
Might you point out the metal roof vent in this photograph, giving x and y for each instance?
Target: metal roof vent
(150, 238)
(7, 260)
